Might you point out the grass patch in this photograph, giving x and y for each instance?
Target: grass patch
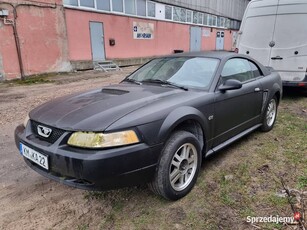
(302, 182)
(83, 227)
(277, 201)
(37, 79)
(30, 81)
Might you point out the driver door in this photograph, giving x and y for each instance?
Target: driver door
(240, 109)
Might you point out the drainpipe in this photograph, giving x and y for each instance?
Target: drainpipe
(17, 43)
(15, 32)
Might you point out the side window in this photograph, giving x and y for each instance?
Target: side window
(238, 69)
(255, 70)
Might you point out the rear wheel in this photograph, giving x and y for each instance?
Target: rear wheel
(269, 115)
(178, 167)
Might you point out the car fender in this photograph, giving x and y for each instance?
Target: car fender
(180, 115)
(271, 84)
(276, 88)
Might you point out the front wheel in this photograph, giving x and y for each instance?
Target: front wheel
(269, 115)
(178, 167)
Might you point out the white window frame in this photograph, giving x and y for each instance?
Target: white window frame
(214, 16)
(179, 15)
(201, 15)
(191, 21)
(227, 24)
(172, 9)
(223, 22)
(147, 15)
(135, 7)
(87, 7)
(117, 12)
(185, 18)
(110, 2)
(196, 17)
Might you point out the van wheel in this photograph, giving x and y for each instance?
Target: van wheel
(269, 115)
(179, 166)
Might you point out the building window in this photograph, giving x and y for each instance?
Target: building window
(183, 15)
(87, 3)
(205, 22)
(71, 2)
(151, 9)
(189, 16)
(117, 5)
(214, 20)
(221, 22)
(141, 7)
(235, 24)
(210, 20)
(227, 23)
(168, 12)
(232, 24)
(195, 17)
(176, 14)
(103, 5)
(200, 18)
(238, 25)
(130, 7)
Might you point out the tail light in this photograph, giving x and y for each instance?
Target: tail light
(302, 84)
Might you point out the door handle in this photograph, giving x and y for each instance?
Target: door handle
(277, 58)
(257, 89)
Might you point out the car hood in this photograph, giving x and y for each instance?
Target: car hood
(96, 110)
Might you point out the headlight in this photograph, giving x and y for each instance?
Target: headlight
(25, 122)
(102, 140)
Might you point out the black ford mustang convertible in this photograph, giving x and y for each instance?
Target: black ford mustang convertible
(155, 126)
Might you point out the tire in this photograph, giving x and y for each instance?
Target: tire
(175, 175)
(270, 114)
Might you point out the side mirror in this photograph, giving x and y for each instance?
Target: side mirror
(230, 84)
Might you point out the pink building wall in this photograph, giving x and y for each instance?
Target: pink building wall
(51, 38)
(43, 40)
(168, 36)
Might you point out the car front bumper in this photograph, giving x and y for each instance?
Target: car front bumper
(92, 169)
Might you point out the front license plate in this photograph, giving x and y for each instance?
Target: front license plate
(34, 156)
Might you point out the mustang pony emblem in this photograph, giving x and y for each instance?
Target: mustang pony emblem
(43, 131)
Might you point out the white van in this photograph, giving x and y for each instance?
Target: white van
(274, 32)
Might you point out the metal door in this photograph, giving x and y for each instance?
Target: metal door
(97, 41)
(195, 39)
(219, 40)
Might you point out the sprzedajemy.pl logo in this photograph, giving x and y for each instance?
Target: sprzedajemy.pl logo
(273, 219)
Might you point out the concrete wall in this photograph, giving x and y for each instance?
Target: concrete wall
(168, 36)
(43, 40)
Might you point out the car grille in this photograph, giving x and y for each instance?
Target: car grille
(54, 136)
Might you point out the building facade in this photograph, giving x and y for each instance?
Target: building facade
(56, 35)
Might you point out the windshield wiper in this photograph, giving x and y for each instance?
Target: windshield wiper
(162, 82)
(132, 81)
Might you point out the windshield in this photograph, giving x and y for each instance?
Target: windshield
(192, 72)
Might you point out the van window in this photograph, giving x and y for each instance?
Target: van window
(238, 69)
